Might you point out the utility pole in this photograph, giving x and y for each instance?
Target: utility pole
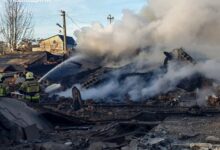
(110, 18)
(63, 14)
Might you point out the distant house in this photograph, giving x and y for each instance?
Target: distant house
(25, 46)
(55, 44)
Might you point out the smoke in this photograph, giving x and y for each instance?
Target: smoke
(150, 85)
(117, 42)
(141, 38)
(202, 96)
(168, 81)
(162, 24)
(210, 69)
(153, 82)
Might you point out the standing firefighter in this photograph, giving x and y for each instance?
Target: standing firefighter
(4, 89)
(30, 88)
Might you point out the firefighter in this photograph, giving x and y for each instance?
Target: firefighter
(30, 88)
(4, 89)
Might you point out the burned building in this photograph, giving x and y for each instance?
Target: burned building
(125, 78)
(178, 55)
(37, 62)
(117, 119)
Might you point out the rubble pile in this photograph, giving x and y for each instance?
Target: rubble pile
(171, 119)
(89, 78)
(19, 125)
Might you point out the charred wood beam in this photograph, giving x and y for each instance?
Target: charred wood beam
(140, 123)
(73, 128)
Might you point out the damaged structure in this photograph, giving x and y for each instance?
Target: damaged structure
(166, 120)
(38, 62)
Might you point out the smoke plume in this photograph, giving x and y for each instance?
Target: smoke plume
(160, 25)
(141, 38)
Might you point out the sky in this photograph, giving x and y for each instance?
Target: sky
(80, 13)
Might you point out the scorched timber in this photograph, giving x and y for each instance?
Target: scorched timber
(108, 113)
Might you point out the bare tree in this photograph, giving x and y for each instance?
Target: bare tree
(16, 23)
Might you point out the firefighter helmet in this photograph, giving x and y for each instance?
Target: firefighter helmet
(29, 75)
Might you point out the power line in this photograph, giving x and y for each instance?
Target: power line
(86, 22)
(73, 21)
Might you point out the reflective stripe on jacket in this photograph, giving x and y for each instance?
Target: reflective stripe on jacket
(34, 98)
(30, 87)
(31, 90)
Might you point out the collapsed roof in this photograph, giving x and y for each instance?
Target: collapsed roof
(178, 55)
(97, 77)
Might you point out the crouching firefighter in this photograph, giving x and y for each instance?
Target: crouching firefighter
(30, 88)
(4, 89)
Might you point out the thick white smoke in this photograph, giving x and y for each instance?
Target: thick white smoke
(137, 88)
(162, 24)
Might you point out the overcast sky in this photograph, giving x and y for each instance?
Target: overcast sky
(47, 13)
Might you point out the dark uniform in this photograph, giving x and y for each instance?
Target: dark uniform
(31, 90)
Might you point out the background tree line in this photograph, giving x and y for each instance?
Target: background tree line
(15, 25)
